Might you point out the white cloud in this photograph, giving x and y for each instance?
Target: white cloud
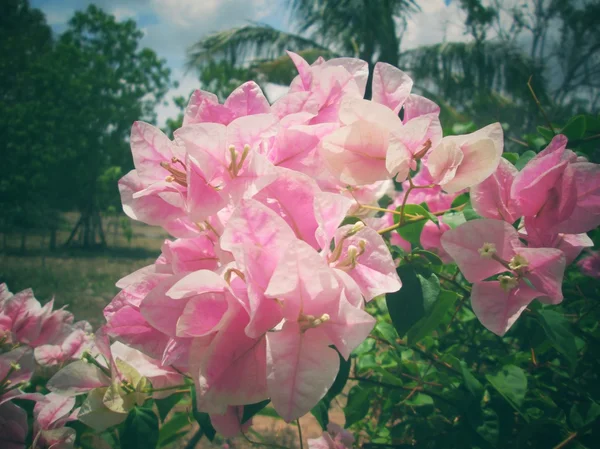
(435, 23)
(123, 13)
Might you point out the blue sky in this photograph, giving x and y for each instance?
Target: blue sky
(171, 26)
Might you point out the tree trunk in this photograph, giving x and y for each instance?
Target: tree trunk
(52, 244)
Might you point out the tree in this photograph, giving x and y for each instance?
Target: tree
(486, 78)
(109, 83)
(26, 114)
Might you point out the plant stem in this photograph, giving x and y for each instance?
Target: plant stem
(195, 439)
(300, 433)
(565, 442)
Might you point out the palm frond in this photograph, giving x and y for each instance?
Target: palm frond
(253, 41)
(464, 70)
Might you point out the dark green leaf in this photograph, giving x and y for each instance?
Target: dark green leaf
(387, 332)
(321, 414)
(511, 157)
(546, 133)
(511, 383)
(558, 331)
(165, 405)
(471, 383)
(203, 419)
(140, 429)
(429, 256)
(575, 128)
(463, 198)
(252, 409)
(411, 231)
(173, 429)
(525, 157)
(485, 422)
(433, 318)
(584, 413)
(413, 300)
(357, 406)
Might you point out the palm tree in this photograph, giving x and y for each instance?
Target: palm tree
(484, 78)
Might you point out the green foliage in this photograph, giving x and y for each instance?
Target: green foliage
(141, 429)
(66, 106)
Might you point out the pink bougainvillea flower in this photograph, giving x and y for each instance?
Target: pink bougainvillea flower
(459, 162)
(204, 107)
(492, 197)
(431, 239)
(356, 153)
(257, 237)
(532, 184)
(301, 368)
(570, 244)
(13, 426)
(300, 365)
(557, 192)
(16, 369)
(225, 163)
(391, 86)
(51, 413)
(485, 248)
(362, 253)
(334, 438)
(590, 264)
(216, 362)
(228, 424)
(328, 82)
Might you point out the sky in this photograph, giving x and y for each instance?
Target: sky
(171, 26)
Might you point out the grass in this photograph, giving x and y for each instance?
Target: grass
(84, 280)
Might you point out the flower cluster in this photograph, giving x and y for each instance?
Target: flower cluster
(278, 246)
(265, 278)
(553, 200)
(30, 333)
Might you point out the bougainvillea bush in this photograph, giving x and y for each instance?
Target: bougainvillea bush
(331, 245)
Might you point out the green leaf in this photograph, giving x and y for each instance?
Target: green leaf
(140, 429)
(463, 128)
(321, 414)
(432, 320)
(511, 157)
(485, 422)
(575, 128)
(413, 300)
(387, 332)
(471, 383)
(511, 383)
(165, 405)
(202, 418)
(173, 429)
(525, 157)
(412, 231)
(357, 405)
(421, 400)
(546, 133)
(340, 380)
(252, 409)
(584, 413)
(461, 199)
(454, 219)
(429, 256)
(558, 331)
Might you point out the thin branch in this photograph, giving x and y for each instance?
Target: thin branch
(540, 105)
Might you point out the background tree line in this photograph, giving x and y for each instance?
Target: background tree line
(66, 106)
(67, 101)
